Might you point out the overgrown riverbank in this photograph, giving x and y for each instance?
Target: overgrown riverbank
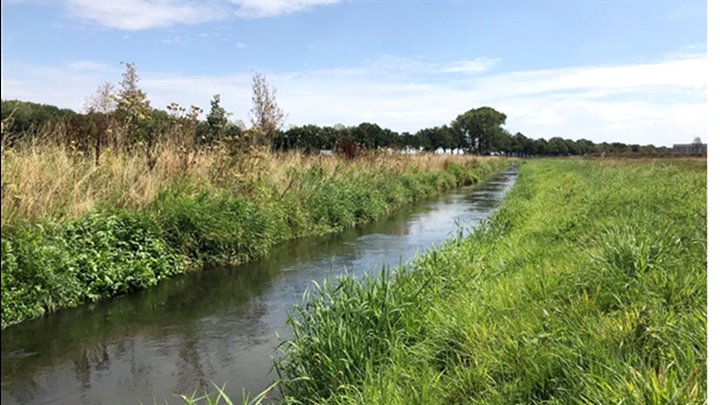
(588, 285)
(74, 231)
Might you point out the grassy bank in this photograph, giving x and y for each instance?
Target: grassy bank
(589, 285)
(74, 231)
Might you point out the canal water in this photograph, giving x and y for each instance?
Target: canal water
(218, 325)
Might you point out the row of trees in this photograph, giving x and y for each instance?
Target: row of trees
(477, 131)
(123, 118)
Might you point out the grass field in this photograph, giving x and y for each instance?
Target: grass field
(587, 286)
(74, 231)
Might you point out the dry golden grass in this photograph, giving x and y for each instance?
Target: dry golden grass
(45, 181)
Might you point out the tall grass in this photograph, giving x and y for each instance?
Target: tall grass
(75, 230)
(49, 181)
(588, 285)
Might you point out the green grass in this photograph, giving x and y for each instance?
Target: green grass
(111, 251)
(587, 286)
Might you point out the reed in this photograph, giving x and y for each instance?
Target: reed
(44, 180)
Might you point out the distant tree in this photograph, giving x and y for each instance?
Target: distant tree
(648, 150)
(183, 130)
(434, 137)
(240, 124)
(503, 142)
(217, 119)
(99, 108)
(438, 137)
(103, 100)
(585, 146)
(420, 141)
(306, 138)
(265, 115)
(449, 138)
(133, 107)
(520, 144)
(367, 134)
(557, 146)
(23, 118)
(697, 145)
(602, 148)
(618, 148)
(480, 129)
(541, 147)
(572, 147)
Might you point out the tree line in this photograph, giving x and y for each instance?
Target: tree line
(478, 131)
(124, 118)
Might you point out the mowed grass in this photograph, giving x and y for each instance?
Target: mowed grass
(587, 286)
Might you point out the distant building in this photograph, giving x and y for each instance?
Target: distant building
(689, 149)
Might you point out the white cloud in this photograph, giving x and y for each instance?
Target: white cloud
(240, 45)
(661, 102)
(87, 65)
(478, 65)
(407, 65)
(179, 40)
(274, 8)
(134, 15)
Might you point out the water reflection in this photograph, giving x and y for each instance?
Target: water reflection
(217, 325)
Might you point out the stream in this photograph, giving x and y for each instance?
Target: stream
(218, 325)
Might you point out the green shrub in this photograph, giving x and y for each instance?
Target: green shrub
(99, 256)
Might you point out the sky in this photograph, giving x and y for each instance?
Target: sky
(626, 71)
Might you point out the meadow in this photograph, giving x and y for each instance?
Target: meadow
(587, 286)
(77, 230)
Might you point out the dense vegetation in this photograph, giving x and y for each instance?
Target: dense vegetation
(99, 204)
(470, 132)
(124, 118)
(74, 230)
(588, 285)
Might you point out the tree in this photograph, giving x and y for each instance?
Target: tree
(541, 146)
(480, 128)
(99, 107)
(557, 146)
(133, 107)
(217, 118)
(519, 144)
(572, 147)
(182, 131)
(265, 115)
(585, 146)
(22, 118)
(371, 136)
(438, 137)
(697, 145)
(103, 101)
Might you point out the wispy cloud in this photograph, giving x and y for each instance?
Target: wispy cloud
(135, 15)
(409, 65)
(274, 8)
(179, 40)
(88, 65)
(240, 45)
(478, 65)
(660, 102)
(685, 10)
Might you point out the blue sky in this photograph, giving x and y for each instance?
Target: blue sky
(604, 70)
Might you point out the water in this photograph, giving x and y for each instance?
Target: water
(217, 325)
